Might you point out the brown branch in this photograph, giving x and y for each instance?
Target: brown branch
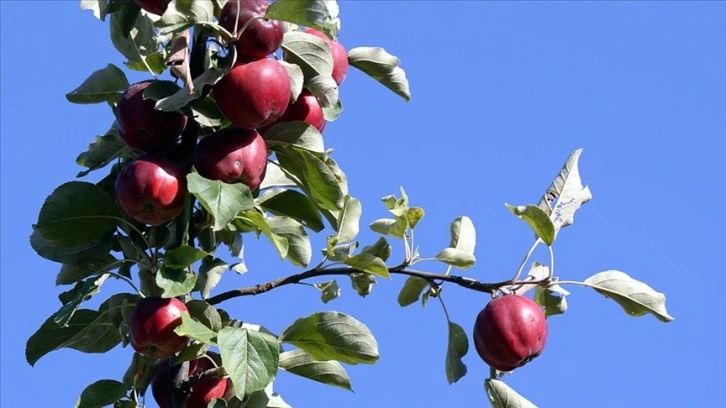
(462, 281)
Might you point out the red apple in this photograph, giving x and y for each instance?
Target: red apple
(202, 391)
(305, 108)
(340, 55)
(510, 331)
(151, 327)
(232, 154)
(143, 127)
(151, 189)
(261, 37)
(254, 94)
(157, 7)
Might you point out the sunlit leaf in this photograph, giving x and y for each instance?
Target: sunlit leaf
(222, 200)
(411, 290)
(319, 14)
(333, 336)
(327, 372)
(250, 358)
(566, 194)
(381, 66)
(175, 282)
(328, 290)
(537, 219)
(503, 396)
(635, 297)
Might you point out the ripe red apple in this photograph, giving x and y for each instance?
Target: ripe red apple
(305, 108)
(202, 391)
(151, 327)
(157, 7)
(254, 94)
(340, 55)
(510, 331)
(232, 154)
(143, 127)
(151, 189)
(261, 37)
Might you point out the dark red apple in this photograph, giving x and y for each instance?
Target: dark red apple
(254, 94)
(231, 155)
(340, 55)
(143, 127)
(151, 189)
(305, 108)
(261, 37)
(202, 391)
(157, 7)
(151, 327)
(510, 331)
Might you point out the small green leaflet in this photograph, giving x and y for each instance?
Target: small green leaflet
(503, 396)
(537, 219)
(103, 85)
(381, 66)
(411, 290)
(457, 348)
(301, 363)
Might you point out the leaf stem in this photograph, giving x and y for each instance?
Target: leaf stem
(552, 261)
(127, 280)
(526, 258)
(443, 306)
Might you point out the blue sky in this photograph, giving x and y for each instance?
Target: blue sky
(501, 94)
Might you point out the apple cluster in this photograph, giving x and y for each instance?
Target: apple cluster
(254, 96)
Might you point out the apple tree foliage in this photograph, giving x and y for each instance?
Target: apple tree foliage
(305, 192)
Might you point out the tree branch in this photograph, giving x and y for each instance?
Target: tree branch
(462, 281)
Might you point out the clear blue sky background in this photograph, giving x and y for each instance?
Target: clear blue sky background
(502, 93)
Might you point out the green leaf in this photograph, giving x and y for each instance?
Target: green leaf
(70, 274)
(292, 204)
(195, 330)
(411, 290)
(299, 249)
(537, 219)
(79, 255)
(362, 283)
(104, 85)
(414, 216)
(333, 336)
(183, 256)
(303, 364)
(381, 66)
(102, 151)
(331, 113)
(457, 348)
(132, 33)
(205, 313)
(185, 95)
(210, 273)
(349, 220)
(308, 52)
(319, 14)
(77, 213)
(392, 227)
(251, 358)
(315, 177)
(503, 396)
(325, 90)
(180, 13)
(297, 133)
(328, 290)
(222, 200)
(73, 298)
(101, 393)
(296, 77)
(258, 221)
(88, 331)
(552, 304)
(140, 373)
(566, 194)
(635, 297)
(175, 282)
(463, 234)
(381, 249)
(456, 257)
(368, 263)
(275, 177)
